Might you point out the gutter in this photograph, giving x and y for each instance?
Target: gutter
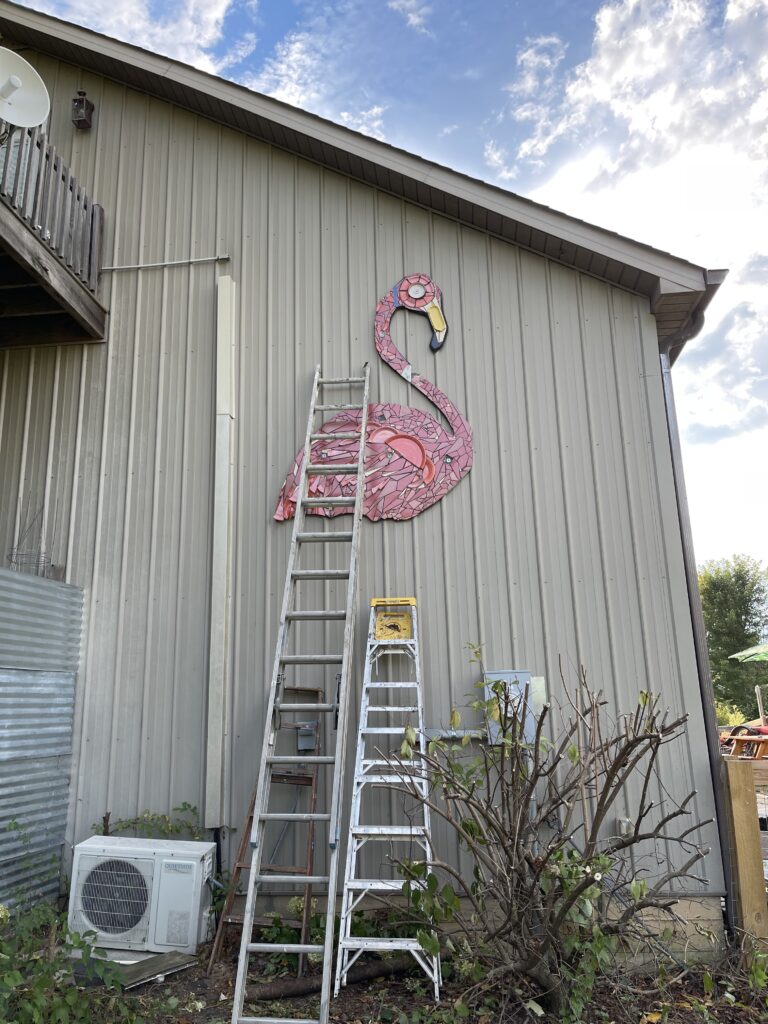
(669, 349)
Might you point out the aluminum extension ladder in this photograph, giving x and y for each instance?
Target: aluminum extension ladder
(392, 631)
(307, 778)
(295, 611)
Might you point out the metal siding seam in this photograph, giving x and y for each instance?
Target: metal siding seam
(78, 798)
(49, 459)
(151, 661)
(187, 719)
(123, 712)
(24, 444)
(569, 515)
(587, 596)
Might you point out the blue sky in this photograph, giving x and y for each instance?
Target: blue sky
(649, 117)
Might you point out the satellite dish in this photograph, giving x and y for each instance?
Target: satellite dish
(24, 100)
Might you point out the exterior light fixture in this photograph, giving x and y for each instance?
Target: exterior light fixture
(82, 111)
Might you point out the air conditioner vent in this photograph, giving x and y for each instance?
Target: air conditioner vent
(114, 896)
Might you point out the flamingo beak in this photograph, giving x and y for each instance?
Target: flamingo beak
(439, 326)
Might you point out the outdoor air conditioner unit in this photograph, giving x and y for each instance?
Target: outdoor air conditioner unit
(144, 894)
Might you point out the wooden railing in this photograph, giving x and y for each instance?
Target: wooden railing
(41, 190)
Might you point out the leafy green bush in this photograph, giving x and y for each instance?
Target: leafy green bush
(37, 972)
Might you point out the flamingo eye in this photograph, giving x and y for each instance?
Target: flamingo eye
(417, 291)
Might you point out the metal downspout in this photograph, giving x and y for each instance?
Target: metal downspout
(706, 689)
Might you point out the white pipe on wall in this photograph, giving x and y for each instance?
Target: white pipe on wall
(219, 643)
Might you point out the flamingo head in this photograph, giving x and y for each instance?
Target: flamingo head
(420, 293)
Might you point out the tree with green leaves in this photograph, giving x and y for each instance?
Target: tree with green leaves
(734, 597)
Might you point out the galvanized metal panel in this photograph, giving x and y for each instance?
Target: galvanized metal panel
(562, 544)
(36, 710)
(40, 623)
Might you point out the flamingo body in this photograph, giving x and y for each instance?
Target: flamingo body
(411, 460)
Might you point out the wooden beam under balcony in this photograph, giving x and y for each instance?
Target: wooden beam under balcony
(40, 300)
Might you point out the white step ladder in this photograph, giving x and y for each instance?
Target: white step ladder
(386, 708)
(297, 614)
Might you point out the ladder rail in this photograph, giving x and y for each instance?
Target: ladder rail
(334, 830)
(349, 623)
(298, 519)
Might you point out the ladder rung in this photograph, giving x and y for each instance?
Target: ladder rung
(308, 616)
(340, 405)
(320, 574)
(391, 778)
(312, 659)
(376, 884)
(395, 686)
(327, 502)
(388, 831)
(324, 538)
(305, 707)
(278, 1020)
(335, 437)
(292, 879)
(283, 947)
(382, 730)
(300, 759)
(330, 468)
(341, 380)
(363, 942)
(392, 707)
(309, 816)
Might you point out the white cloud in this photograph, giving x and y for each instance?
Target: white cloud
(496, 158)
(369, 122)
(186, 30)
(663, 72)
(415, 13)
(538, 61)
(296, 74)
(449, 129)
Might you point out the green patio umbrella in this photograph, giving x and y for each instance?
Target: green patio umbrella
(759, 653)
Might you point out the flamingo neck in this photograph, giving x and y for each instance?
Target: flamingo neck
(386, 348)
(393, 357)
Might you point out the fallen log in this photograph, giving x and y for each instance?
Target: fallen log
(287, 987)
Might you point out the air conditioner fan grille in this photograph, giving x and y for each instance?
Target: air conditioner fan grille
(114, 896)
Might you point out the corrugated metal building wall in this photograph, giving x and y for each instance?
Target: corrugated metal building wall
(562, 543)
(40, 629)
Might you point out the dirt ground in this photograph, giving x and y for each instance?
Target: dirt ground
(191, 996)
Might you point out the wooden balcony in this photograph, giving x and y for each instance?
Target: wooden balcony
(50, 247)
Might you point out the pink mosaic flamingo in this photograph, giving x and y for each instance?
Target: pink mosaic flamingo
(412, 461)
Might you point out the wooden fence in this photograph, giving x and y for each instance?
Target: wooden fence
(38, 186)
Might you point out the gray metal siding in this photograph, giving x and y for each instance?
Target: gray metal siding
(563, 542)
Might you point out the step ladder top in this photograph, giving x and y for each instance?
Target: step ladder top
(385, 602)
